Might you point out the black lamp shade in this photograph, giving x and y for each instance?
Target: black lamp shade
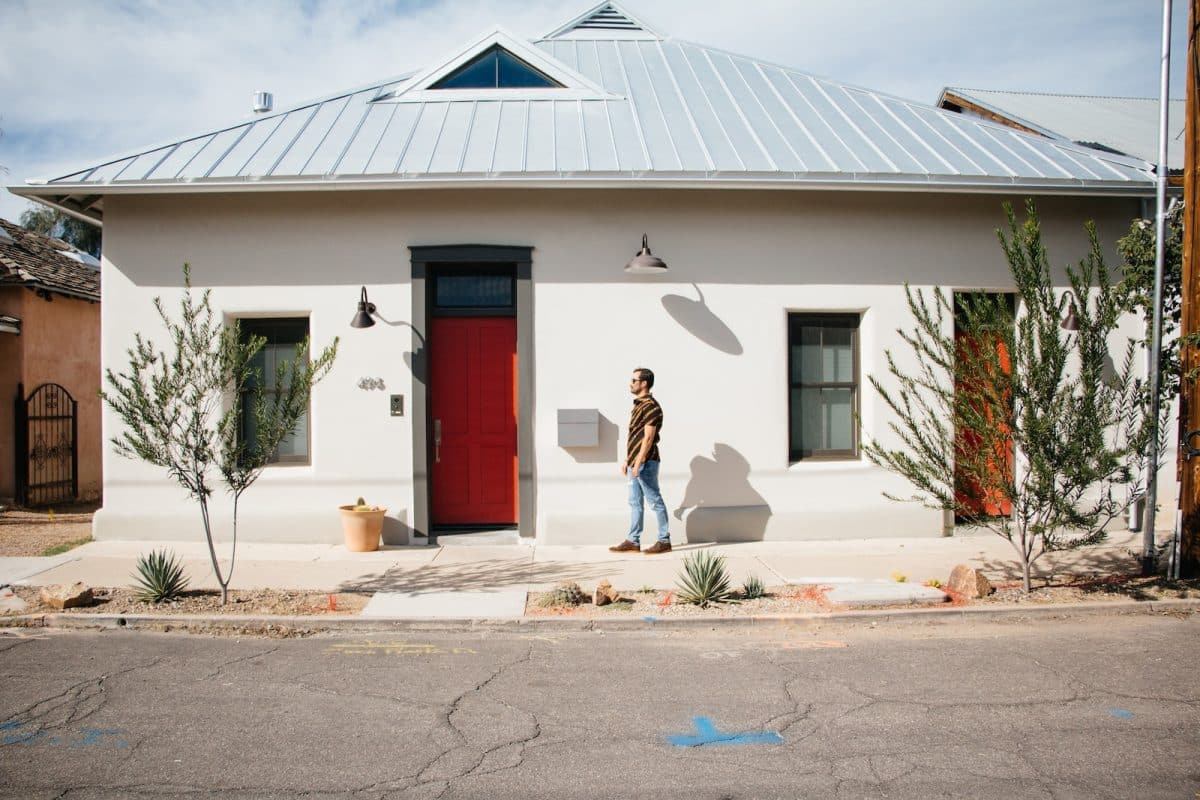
(645, 262)
(362, 318)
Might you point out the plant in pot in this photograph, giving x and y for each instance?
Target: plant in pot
(362, 525)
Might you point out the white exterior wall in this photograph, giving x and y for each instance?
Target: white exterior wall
(713, 329)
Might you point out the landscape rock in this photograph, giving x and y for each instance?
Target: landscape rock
(969, 582)
(9, 602)
(604, 594)
(74, 595)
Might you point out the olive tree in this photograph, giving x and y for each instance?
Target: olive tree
(183, 407)
(1017, 425)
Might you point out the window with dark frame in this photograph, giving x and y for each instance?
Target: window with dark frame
(283, 335)
(496, 68)
(823, 386)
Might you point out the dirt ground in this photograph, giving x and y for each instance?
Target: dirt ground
(30, 532)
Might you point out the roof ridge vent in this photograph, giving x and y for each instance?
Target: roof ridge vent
(607, 20)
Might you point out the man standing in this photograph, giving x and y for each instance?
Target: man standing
(641, 467)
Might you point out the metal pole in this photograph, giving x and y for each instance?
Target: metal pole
(1148, 566)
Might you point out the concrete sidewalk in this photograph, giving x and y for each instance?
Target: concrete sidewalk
(456, 580)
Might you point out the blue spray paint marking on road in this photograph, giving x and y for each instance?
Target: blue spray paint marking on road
(94, 736)
(24, 738)
(707, 734)
(1121, 713)
(649, 618)
(91, 737)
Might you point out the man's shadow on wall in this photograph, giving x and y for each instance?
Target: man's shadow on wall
(719, 504)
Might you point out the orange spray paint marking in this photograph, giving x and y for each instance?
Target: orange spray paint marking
(333, 602)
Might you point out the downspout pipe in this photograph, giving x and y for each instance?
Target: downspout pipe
(1148, 553)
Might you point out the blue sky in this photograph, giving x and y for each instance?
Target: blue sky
(82, 81)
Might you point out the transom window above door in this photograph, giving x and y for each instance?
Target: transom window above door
(494, 290)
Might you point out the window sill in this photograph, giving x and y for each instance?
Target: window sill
(830, 464)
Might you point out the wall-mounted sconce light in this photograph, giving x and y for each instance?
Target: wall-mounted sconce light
(362, 319)
(1070, 322)
(645, 262)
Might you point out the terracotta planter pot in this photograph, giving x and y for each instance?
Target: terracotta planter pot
(361, 529)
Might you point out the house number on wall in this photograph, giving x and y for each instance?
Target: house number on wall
(371, 383)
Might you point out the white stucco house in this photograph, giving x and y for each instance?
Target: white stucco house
(489, 203)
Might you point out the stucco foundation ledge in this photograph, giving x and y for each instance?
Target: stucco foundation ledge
(292, 526)
(330, 623)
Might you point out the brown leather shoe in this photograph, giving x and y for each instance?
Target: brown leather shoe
(626, 546)
(657, 547)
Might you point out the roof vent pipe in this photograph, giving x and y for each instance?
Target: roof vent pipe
(263, 102)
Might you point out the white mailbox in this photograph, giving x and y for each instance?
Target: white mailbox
(579, 427)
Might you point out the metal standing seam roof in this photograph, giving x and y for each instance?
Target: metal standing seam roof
(1128, 125)
(638, 108)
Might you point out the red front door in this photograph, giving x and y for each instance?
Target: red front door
(473, 398)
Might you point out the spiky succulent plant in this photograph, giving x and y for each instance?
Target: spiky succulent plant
(704, 580)
(159, 577)
(566, 593)
(753, 588)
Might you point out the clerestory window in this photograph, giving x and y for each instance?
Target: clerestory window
(496, 68)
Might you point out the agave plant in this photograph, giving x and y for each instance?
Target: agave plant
(753, 588)
(159, 577)
(704, 580)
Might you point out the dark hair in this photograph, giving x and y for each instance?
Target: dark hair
(645, 375)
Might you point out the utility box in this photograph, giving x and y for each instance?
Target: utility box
(579, 427)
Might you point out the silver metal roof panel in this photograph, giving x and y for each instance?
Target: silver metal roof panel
(632, 110)
(1126, 124)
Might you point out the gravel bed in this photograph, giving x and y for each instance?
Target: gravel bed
(272, 602)
(811, 599)
(29, 532)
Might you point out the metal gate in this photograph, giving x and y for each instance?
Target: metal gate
(47, 453)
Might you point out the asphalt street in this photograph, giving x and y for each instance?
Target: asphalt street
(1100, 707)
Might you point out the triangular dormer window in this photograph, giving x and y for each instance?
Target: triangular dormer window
(496, 68)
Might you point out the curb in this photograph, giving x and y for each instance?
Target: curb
(331, 624)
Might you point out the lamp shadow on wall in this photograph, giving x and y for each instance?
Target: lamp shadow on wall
(695, 317)
(413, 359)
(607, 452)
(719, 504)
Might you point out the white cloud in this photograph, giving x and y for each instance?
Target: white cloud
(80, 81)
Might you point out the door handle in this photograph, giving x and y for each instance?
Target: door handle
(437, 441)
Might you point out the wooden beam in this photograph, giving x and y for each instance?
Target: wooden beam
(991, 116)
(1189, 392)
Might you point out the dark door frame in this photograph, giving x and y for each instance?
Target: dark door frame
(426, 262)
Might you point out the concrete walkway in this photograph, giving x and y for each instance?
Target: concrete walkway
(491, 580)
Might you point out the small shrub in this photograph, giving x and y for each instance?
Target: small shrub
(753, 588)
(159, 577)
(704, 580)
(565, 594)
(647, 589)
(59, 549)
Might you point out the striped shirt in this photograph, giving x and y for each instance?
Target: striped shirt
(646, 411)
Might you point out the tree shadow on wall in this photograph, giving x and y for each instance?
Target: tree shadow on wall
(699, 320)
(719, 503)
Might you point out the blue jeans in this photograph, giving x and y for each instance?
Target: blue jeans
(645, 486)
